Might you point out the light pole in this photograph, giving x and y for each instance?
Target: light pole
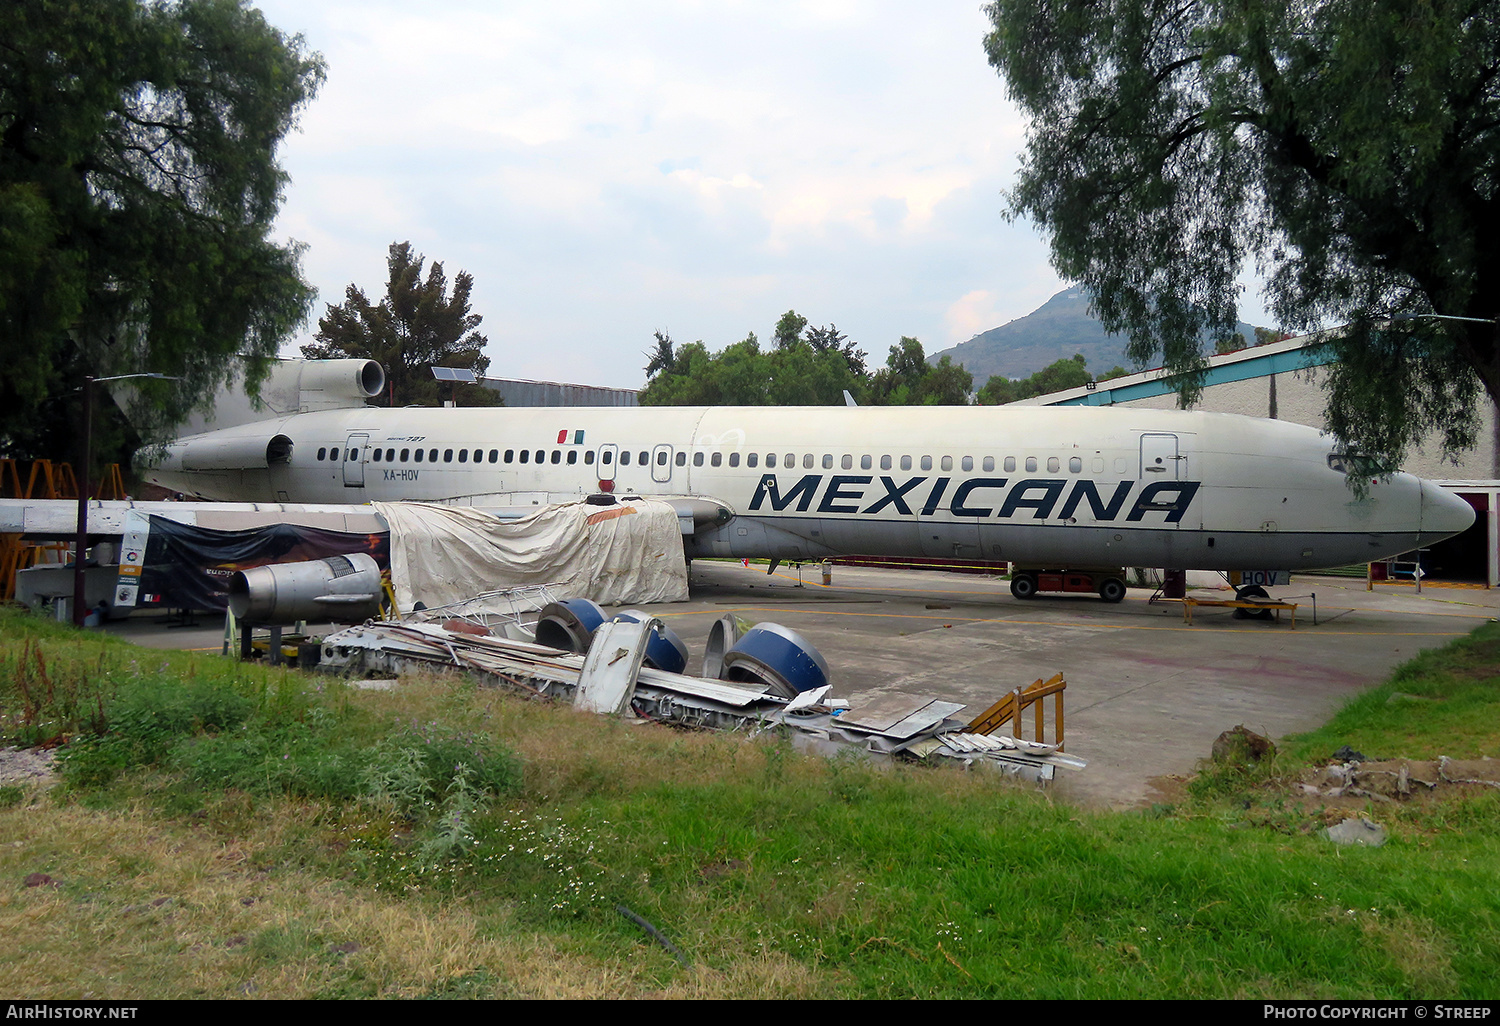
(82, 543)
(1442, 317)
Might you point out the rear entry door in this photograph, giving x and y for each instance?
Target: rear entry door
(354, 461)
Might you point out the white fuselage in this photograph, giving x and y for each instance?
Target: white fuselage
(1036, 485)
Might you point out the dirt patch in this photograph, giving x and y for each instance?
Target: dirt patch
(1169, 789)
(22, 766)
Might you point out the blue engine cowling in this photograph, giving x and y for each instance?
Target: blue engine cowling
(776, 656)
(569, 625)
(665, 650)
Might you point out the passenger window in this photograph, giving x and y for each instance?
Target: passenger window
(1075, 465)
(390, 455)
(606, 457)
(906, 463)
(556, 456)
(431, 455)
(463, 455)
(718, 459)
(661, 458)
(525, 455)
(1010, 464)
(697, 459)
(947, 462)
(353, 454)
(1030, 464)
(989, 464)
(447, 455)
(682, 459)
(885, 463)
(478, 455)
(751, 459)
(734, 459)
(807, 462)
(865, 463)
(847, 463)
(541, 456)
(572, 456)
(405, 455)
(510, 455)
(378, 454)
(494, 455)
(828, 461)
(624, 459)
(966, 464)
(588, 458)
(791, 461)
(645, 458)
(419, 455)
(926, 462)
(770, 461)
(1052, 464)
(323, 453)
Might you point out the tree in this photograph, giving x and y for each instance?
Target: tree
(799, 371)
(789, 329)
(1066, 373)
(908, 380)
(1349, 146)
(416, 327)
(661, 359)
(138, 187)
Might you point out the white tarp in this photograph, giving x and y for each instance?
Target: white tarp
(616, 555)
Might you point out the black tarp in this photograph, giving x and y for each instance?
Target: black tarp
(189, 567)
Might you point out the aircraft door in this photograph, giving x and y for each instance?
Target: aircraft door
(1160, 459)
(354, 461)
(608, 456)
(661, 463)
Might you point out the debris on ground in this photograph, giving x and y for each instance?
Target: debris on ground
(1241, 745)
(1357, 831)
(611, 675)
(1391, 780)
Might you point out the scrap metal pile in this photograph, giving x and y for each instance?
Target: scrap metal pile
(632, 663)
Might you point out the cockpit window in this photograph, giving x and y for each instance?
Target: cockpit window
(1352, 463)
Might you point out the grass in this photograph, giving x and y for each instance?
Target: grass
(249, 831)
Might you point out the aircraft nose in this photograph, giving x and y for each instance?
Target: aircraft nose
(1443, 513)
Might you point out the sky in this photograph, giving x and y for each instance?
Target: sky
(605, 171)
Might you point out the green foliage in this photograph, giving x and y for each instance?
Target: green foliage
(1348, 147)
(138, 190)
(1444, 702)
(786, 874)
(798, 371)
(1070, 373)
(908, 380)
(415, 327)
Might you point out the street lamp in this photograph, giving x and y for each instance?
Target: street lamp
(1442, 317)
(82, 544)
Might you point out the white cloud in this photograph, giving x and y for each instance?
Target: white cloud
(972, 314)
(604, 171)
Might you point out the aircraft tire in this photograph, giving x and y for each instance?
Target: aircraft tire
(1254, 591)
(1112, 589)
(1023, 586)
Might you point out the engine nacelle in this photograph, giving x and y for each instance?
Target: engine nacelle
(344, 589)
(336, 384)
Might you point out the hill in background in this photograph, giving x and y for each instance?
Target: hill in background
(1054, 331)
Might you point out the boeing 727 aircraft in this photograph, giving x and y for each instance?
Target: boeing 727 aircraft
(1048, 486)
